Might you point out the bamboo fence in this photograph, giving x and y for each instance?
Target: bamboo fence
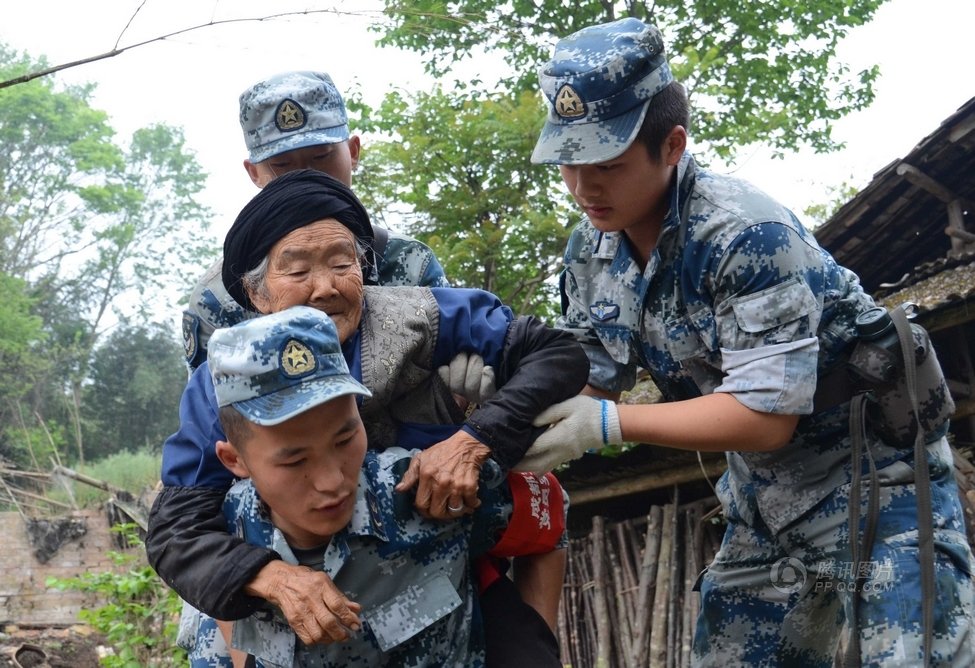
(628, 600)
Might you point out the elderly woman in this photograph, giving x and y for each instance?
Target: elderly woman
(300, 241)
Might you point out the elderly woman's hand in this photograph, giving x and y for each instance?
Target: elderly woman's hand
(446, 476)
(316, 609)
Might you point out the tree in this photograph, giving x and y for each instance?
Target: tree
(459, 165)
(755, 71)
(99, 232)
(458, 160)
(136, 380)
(22, 365)
(837, 196)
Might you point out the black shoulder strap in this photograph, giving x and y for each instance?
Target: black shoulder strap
(922, 486)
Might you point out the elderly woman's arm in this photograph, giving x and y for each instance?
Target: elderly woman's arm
(536, 367)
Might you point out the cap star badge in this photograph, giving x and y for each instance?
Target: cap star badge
(289, 116)
(568, 104)
(297, 359)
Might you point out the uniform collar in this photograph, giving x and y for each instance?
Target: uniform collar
(679, 193)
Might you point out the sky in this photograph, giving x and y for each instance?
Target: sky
(193, 80)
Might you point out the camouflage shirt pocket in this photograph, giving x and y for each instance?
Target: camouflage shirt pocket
(412, 610)
(777, 313)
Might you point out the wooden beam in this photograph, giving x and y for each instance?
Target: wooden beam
(963, 408)
(959, 313)
(649, 481)
(958, 234)
(961, 239)
(925, 182)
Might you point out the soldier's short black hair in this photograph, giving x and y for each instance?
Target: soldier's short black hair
(667, 109)
(236, 427)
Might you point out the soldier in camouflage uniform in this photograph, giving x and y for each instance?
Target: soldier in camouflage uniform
(295, 438)
(745, 324)
(292, 121)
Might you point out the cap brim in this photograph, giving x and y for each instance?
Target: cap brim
(277, 407)
(588, 143)
(333, 135)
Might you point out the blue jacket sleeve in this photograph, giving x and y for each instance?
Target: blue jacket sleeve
(470, 321)
(535, 367)
(189, 456)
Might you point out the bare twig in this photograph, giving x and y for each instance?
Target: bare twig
(129, 23)
(30, 76)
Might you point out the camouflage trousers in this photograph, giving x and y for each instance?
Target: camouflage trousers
(199, 635)
(785, 599)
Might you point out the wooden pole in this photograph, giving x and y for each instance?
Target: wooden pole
(661, 598)
(603, 639)
(673, 607)
(647, 586)
(650, 481)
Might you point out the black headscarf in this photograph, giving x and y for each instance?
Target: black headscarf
(287, 203)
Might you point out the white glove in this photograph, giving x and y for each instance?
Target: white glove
(467, 376)
(574, 426)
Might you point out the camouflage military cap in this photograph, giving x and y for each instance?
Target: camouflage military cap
(289, 111)
(274, 367)
(598, 85)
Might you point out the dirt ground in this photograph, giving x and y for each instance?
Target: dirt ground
(73, 647)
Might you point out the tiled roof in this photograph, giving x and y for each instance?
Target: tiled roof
(894, 224)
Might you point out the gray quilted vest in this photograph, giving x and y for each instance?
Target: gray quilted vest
(398, 335)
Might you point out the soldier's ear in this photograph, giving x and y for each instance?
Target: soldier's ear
(354, 148)
(230, 457)
(254, 173)
(674, 145)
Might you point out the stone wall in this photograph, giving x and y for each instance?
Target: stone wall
(24, 598)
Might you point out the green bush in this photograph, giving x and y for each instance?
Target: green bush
(141, 616)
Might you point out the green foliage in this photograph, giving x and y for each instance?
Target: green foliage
(94, 231)
(756, 71)
(21, 339)
(458, 164)
(27, 443)
(453, 166)
(837, 196)
(136, 378)
(141, 616)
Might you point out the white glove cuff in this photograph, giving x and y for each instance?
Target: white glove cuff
(611, 431)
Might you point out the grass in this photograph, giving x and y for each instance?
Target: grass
(135, 472)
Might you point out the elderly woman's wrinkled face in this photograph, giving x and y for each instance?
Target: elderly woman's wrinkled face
(316, 265)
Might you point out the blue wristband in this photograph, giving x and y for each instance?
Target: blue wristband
(603, 403)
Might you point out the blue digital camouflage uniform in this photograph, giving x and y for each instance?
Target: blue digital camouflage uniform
(738, 297)
(751, 305)
(411, 576)
(406, 261)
